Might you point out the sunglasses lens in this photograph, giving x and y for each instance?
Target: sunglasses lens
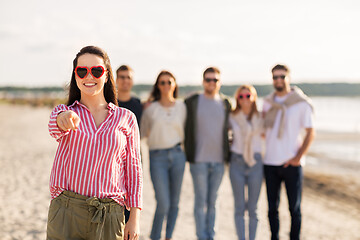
(242, 96)
(97, 72)
(162, 83)
(211, 80)
(81, 72)
(281, 76)
(124, 77)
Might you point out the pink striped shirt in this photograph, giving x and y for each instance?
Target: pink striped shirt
(103, 162)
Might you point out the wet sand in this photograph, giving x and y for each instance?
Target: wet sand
(330, 203)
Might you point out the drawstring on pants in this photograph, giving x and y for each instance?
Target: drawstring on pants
(99, 215)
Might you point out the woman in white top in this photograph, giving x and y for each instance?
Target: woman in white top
(162, 124)
(246, 160)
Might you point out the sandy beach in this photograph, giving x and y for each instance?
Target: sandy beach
(330, 206)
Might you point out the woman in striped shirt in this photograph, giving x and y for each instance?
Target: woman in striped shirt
(162, 123)
(97, 167)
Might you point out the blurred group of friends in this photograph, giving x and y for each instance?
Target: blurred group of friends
(98, 160)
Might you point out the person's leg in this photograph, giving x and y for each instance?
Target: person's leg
(66, 220)
(237, 178)
(199, 173)
(293, 183)
(58, 221)
(176, 178)
(273, 184)
(254, 183)
(160, 177)
(216, 172)
(114, 223)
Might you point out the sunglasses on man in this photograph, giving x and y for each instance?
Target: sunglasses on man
(282, 77)
(122, 77)
(215, 80)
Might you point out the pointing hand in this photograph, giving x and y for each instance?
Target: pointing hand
(68, 120)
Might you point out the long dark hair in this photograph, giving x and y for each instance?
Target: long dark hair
(109, 87)
(155, 93)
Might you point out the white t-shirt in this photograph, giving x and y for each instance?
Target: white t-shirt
(238, 142)
(297, 117)
(163, 126)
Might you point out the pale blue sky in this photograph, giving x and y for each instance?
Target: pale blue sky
(319, 40)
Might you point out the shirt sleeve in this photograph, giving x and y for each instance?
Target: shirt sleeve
(231, 122)
(266, 107)
(54, 130)
(134, 175)
(145, 123)
(308, 117)
(184, 112)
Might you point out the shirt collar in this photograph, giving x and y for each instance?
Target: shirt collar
(110, 105)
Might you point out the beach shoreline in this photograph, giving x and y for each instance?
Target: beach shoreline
(331, 193)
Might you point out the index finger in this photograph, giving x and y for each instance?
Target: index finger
(73, 115)
(73, 127)
(76, 122)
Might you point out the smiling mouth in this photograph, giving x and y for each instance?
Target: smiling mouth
(89, 84)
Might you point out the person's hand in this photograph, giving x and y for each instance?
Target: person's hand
(68, 120)
(295, 162)
(132, 227)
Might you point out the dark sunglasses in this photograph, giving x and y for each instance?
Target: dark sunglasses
(211, 80)
(279, 76)
(124, 77)
(95, 71)
(163, 83)
(242, 96)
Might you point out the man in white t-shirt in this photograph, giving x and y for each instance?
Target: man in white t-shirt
(288, 116)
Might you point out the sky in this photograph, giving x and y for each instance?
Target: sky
(319, 40)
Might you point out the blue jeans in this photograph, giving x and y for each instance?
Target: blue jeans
(292, 176)
(207, 179)
(167, 171)
(240, 175)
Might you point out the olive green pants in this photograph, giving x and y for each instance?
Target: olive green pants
(76, 217)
